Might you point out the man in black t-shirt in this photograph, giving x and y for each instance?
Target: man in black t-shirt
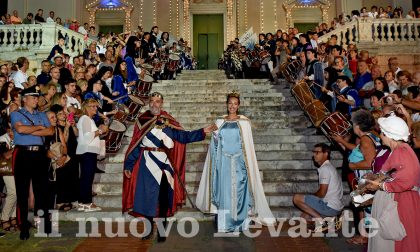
(38, 17)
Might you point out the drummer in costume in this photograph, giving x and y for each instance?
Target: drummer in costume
(154, 163)
(30, 160)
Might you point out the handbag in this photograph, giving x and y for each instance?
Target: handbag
(56, 149)
(390, 225)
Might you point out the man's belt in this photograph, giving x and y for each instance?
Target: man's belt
(32, 147)
(153, 149)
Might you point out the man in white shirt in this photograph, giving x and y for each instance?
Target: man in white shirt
(328, 200)
(70, 86)
(84, 29)
(50, 19)
(21, 78)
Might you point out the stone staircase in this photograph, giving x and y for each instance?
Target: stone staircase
(283, 141)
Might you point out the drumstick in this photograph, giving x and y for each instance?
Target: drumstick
(119, 98)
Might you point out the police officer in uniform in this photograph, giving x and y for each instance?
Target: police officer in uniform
(30, 159)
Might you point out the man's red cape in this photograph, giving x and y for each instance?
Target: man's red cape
(176, 155)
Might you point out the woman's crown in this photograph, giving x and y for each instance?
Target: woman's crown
(234, 93)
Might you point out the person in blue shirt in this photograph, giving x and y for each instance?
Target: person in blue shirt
(30, 159)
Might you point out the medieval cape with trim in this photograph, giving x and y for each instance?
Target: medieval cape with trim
(261, 212)
(145, 123)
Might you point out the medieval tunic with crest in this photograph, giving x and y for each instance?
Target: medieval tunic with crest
(147, 165)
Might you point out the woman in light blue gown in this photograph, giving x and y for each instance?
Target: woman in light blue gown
(231, 181)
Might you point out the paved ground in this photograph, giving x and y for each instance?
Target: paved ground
(203, 241)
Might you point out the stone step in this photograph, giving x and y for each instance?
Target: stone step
(282, 141)
(273, 199)
(286, 123)
(192, 187)
(261, 156)
(219, 109)
(251, 114)
(267, 155)
(307, 147)
(255, 119)
(263, 165)
(193, 103)
(296, 132)
(195, 176)
(115, 212)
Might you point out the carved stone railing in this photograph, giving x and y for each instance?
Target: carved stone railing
(379, 33)
(39, 39)
(345, 34)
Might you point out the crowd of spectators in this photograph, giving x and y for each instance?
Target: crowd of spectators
(80, 95)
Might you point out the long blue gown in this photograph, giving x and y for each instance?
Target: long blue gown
(230, 185)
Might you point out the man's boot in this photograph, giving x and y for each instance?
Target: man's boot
(160, 237)
(149, 236)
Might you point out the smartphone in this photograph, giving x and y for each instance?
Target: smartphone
(70, 117)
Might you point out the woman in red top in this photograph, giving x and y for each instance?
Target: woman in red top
(404, 183)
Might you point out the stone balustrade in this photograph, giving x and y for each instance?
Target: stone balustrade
(379, 34)
(38, 39)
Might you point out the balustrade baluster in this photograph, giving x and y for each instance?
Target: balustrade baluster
(410, 28)
(398, 31)
(375, 32)
(382, 32)
(404, 32)
(2, 36)
(30, 35)
(416, 31)
(35, 35)
(351, 36)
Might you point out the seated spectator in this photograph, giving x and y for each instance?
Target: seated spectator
(415, 137)
(3, 80)
(46, 99)
(21, 78)
(29, 19)
(404, 79)
(57, 49)
(74, 26)
(363, 76)
(50, 18)
(38, 17)
(70, 91)
(390, 80)
(83, 29)
(393, 65)
(375, 100)
(16, 102)
(416, 78)
(328, 200)
(5, 97)
(55, 76)
(58, 21)
(15, 19)
(44, 77)
(31, 81)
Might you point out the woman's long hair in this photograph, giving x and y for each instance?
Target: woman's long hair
(118, 71)
(131, 50)
(91, 82)
(4, 92)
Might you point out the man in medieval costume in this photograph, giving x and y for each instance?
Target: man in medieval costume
(154, 166)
